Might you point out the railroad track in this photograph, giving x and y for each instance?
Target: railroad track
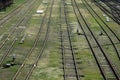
(100, 56)
(7, 51)
(15, 33)
(115, 11)
(39, 54)
(116, 2)
(12, 13)
(89, 8)
(105, 23)
(16, 26)
(109, 13)
(113, 5)
(70, 69)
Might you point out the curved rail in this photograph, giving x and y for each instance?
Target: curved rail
(16, 26)
(101, 26)
(35, 44)
(18, 32)
(108, 13)
(112, 67)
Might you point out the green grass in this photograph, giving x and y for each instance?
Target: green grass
(49, 65)
(20, 50)
(6, 72)
(48, 73)
(88, 66)
(49, 70)
(13, 6)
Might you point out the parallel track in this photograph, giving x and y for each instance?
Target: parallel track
(34, 64)
(107, 34)
(109, 13)
(70, 68)
(17, 31)
(12, 13)
(16, 26)
(115, 11)
(109, 63)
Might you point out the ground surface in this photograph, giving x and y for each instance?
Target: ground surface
(40, 42)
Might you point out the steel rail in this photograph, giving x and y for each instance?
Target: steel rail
(75, 69)
(43, 45)
(12, 13)
(106, 57)
(15, 28)
(102, 27)
(31, 50)
(108, 13)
